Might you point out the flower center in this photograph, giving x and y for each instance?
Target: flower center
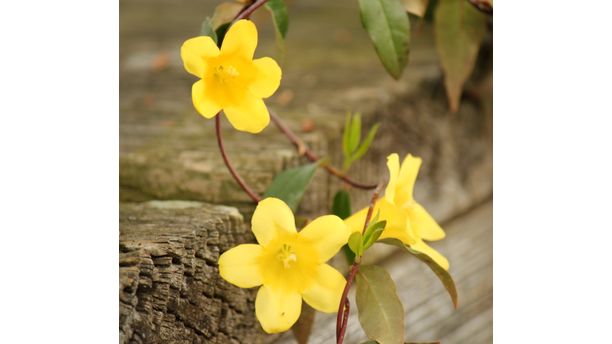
(225, 73)
(286, 255)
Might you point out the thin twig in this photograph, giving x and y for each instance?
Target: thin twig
(343, 309)
(249, 10)
(304, 150)
(254, 196)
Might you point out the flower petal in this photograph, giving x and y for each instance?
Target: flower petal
(248, 114)
(433, 254)
(240, 40)
(407, 176)
(277, 311)
(266, 78)
(325, 293)
(271, 218)
(240, 265)
(426, 227)
(203, 101)
(394, 167)
(328, 234)
(194, 53)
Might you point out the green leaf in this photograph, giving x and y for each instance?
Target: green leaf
(373, 233)
(381, 313)
(355, 133)
(389, 29)
(207, 29)
(459, 29)
(280, 18)
(443, 275)
(221, 31)
(342, 204)
(349, 254)
(365, 145)
(355, 243)
(289, 185)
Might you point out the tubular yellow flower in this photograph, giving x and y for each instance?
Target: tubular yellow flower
(230, 79)
(406, 219)
(289, 266)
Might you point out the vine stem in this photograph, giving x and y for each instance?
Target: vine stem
(250, 9)
(304, 150)
(254, 196)
(344, 308)
(482, 6)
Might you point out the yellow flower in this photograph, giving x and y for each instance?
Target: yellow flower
(289, 266)
(406, 219)
(230, 79)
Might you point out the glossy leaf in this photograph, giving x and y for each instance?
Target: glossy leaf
(416, 7)
(372, 234)
(207, 29)
(342, 204)
(381, 313)
(389, 30)
(354, 133)
(280, 18)
(365, 145)
(355, 243)
(459, 30)
(443, 275)
(290, 184)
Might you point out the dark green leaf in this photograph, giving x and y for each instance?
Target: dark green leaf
(459, 29)
(349, 254)
(290, 184)
(442, 274)
(381, 313)
(281, 22)
(221, 31)
(389, 29)
(365, 145)
(355, 243)
(207, 29)
(354, 134)
(342, 204)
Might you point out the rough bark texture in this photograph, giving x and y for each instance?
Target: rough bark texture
(169, 286)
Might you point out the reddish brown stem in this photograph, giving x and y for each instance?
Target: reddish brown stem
(249, 10)
(254, 196)
(482, 6)
(304, 150)
(343, 309)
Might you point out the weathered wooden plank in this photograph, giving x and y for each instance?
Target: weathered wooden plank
(429, 312)
(170, 290)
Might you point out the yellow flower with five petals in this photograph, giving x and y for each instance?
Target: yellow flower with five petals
(288, 265)
(230, 80)
(406, 219)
